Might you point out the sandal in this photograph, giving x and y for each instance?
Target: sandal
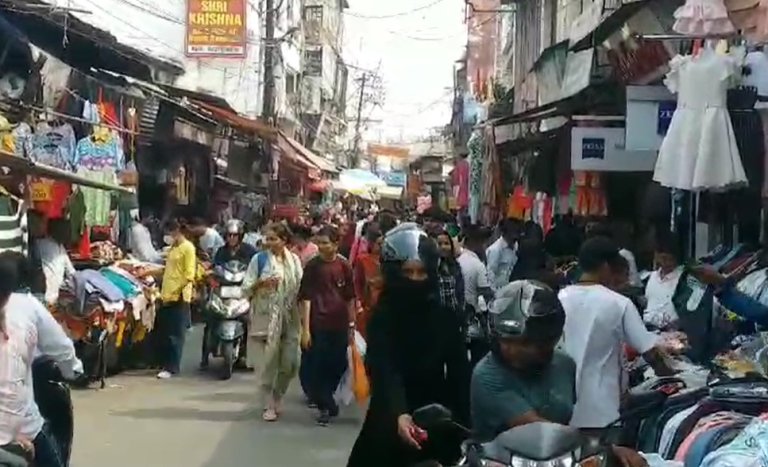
(269, 415)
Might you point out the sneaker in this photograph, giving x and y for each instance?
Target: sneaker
(311, 404)
(324, 419)
(164, 375)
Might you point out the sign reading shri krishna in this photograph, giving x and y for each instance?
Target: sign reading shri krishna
(216, 28)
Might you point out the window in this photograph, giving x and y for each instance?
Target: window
(313, 62)
(313, 13)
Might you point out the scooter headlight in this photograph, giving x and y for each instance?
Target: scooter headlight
(564, 461)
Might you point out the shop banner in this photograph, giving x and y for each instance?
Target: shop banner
(602, 149)
(649, 113)
(216, 28)
(398, 179)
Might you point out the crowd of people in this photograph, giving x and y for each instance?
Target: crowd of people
(474, 318)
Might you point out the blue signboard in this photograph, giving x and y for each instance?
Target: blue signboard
(666, 111)
(593, 148)
(395, 178)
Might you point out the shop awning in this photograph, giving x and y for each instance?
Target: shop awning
(320, 186)
(596, 23)
(262, 129)
(320, 162)
(234, 184)
(32, 168)
(390, 192)
(297, 157)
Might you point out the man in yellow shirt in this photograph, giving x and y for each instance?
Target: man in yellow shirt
(177, 292)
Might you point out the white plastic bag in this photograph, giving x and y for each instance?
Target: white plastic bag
(344, 395)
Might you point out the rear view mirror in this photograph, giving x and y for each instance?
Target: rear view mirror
(432, 415)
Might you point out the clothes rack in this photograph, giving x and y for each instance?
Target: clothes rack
(49, 111)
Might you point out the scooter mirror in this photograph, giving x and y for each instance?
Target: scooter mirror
(432, 415)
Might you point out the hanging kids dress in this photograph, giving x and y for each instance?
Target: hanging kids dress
(703, 17)
(699, 151)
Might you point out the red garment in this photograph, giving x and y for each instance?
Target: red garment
(329, 287)
(461, 183)
(59, 194)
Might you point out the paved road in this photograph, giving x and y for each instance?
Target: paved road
(195, 421)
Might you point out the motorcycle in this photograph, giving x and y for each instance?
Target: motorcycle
(54, 400)
(543, 443)
(227, 315)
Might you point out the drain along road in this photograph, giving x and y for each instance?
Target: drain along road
(196, 421)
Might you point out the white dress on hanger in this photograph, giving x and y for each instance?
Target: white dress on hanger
(699, 151)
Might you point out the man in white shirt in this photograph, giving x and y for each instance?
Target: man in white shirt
(55, 261)
(598, 322)
(209, 239)
(502, 254)
(140, 241)
(473, 270)
(660, 311)
(28, 331)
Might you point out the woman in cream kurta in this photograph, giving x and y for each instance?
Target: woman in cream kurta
(273, 282)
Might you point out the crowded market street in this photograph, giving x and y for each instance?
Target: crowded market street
(198, 421)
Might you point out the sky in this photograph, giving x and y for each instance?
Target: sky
(414, 52)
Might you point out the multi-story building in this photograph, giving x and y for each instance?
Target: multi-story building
(323, 93)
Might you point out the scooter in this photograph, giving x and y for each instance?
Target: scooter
(53, 399)
(543, 443)
(227, 316)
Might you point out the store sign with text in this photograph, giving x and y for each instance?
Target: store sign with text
(649, 113)
(602, 149)
(216, 28)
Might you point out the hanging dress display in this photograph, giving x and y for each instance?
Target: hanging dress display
(699, 151)
(703, 17)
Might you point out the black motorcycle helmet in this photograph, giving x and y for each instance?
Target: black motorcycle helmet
(407, 242)
(527, 309)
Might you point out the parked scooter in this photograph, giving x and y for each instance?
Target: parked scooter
(226, 316)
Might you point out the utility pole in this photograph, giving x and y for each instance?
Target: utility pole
(268, 104)
(358, 122)
(268, 108)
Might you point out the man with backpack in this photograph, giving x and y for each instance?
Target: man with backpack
(327, 305)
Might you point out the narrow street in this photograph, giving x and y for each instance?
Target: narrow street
(196, 421)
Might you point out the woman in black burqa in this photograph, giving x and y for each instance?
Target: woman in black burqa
(416, 356)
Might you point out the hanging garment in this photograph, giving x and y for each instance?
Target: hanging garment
(13, 220)
(53, 146)
(98, 203)
(76, 213)
(50, 197)
(703, 17)
(699, 151)
(97, 153)
(475, 145)
(461, 183)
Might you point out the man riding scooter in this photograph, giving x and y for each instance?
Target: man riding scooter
(234, 250)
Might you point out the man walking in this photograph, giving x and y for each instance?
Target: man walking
(327, 301)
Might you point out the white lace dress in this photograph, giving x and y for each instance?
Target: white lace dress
(699, 151)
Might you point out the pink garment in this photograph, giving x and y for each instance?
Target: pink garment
(461, 183)
(703, 17)
(359, 246)
(710, 422)
(307, 253)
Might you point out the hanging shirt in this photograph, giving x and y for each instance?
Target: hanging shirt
(660, 311)
(13, 222)
(98, 155)
(53, 146)
(98, 203)
(31, 330)
(598, 321)
(501, 260)
(56, 266)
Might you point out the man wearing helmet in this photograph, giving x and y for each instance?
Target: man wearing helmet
(234, 249)
(415, 356)
(524, 379)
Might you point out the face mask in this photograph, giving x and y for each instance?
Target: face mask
(168, 240)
